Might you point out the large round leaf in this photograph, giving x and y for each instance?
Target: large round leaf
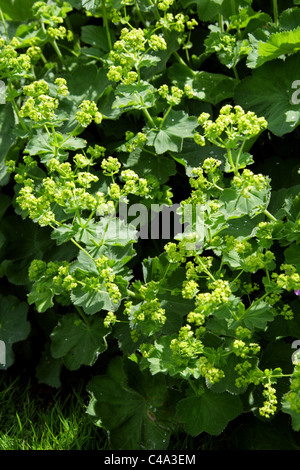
(272, 92)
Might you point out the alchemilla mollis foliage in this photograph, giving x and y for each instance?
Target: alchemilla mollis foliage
(114, 115)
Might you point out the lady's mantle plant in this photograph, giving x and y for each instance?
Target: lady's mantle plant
(107, 127)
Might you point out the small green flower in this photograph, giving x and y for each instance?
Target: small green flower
(88, 112)
(110, 319)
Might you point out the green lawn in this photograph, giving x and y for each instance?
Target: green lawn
(34, 417)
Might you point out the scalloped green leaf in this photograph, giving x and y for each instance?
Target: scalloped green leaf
(209, 87)
(132, 411)
(273, 92)
(177, 126)
(210, 413)
(14, 326)
(278, 44)
(209, 9)
(78, 342)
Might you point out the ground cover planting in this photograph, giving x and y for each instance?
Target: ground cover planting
(149, 211)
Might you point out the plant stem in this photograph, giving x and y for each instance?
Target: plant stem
(82, 315)
(268, 214)
(206, 270)
(231, 161)
(140, 14)
(195, 390)
(240, 152)
(236, 73)
(233, 8)
(54, 140)
(106, 26)
(81, 248)
(275, 12)
(164, 118)
(221, 25)
(179, 58)
(4, 24)
(15, 108)
(59, 54)
(149, 118)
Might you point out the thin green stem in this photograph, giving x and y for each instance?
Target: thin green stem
(240, 152)
(231, 161)
(148, 117)
(55, 140)
(275, 12)
(179, 58)
(82, 315)
(81, 248)
(236, 277)
(195, 390)
(236, 75)
(256, 302)
(15, 108)
(140, 14)
(135, 295)
(106, 25)
(221, 24)
(4, 24)
(165, 116)
(59, 54)
(205, 269)
(165, 273)
(233, 7)
(268, 214)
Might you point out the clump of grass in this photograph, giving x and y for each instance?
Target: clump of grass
(35, 418)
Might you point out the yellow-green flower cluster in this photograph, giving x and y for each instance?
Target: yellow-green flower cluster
(164, 5)
(110, 166)
(287, 312)
(109, 320)
(157, 43)
(247, 374)
(40, 106)
(201, 264)
(207, 370)
(148, 317)
(57, 33)
(176, 22)
(270, 404)
(196, 318)
(62, 88)
(13, 64)
(259, 260)
(63, 186)
(289, 280)
(172, 96)
(126, 57)
(51, 13)
(88, 113)
(231, 127)
(292, 398)
(175, 253)
(134, 141)
(189, 289)
(186, 346)
(35, 53)
(52, 276)
(35, 206)
(134, 184)
(63, 278)
(243, 350)
(206, 302)
(248, 181)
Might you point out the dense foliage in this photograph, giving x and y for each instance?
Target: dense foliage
(120, 121)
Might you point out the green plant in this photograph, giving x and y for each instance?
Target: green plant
(153, 106)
